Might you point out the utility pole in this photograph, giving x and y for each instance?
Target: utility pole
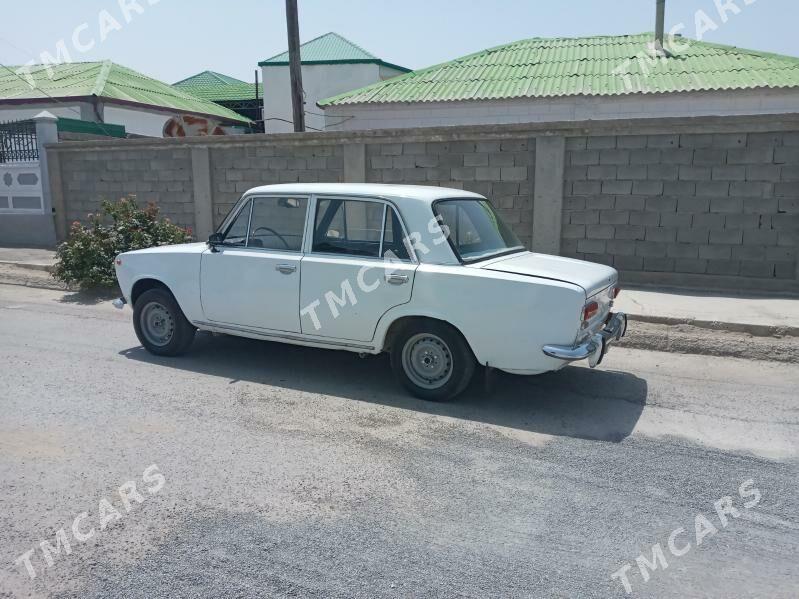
(295, 65)
(660, 14)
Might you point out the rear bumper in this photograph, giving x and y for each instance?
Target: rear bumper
(595, 348)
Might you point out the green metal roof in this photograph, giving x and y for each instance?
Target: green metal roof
(330, 48)
(217, 87)
(590, 66)
(107, 81)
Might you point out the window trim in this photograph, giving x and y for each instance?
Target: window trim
(241, 205)
(308, 247)
(455, 252)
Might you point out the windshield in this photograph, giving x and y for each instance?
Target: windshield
(476, 231)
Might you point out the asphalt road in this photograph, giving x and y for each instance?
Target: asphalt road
(293, 472)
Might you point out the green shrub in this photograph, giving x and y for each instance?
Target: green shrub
(87, 256)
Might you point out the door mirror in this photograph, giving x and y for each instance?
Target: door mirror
(215, 239)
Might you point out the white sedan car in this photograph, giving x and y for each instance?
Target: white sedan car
(429, 274)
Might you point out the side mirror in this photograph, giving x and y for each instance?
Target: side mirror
(215, 239)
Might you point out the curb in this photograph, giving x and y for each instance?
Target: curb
(758, 330)
(29, 265)
(689, 339)
(11, 274)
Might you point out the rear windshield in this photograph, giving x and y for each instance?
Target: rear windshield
(476, 231)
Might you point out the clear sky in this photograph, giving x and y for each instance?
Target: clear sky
(173, 39)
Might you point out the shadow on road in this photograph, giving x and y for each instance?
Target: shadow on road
(89, 297)
(576, 402)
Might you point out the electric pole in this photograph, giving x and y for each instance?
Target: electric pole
(295, 65)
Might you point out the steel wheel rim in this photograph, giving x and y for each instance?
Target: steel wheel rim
(427, 361)
(157, 324)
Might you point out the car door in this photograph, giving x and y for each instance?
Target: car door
(356, 267)
(252, 279)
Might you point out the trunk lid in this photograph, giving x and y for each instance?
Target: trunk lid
(592, 277)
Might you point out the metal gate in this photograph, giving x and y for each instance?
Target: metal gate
(20, 172)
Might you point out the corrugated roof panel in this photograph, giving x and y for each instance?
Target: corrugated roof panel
(217, 87)
(602, 65)
(105, 80)
(330, 47)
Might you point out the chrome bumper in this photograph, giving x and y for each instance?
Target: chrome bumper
(119, 303)
(596, 346)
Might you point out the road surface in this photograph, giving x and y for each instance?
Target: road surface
(295, 472)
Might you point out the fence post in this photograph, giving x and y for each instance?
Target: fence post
(550, 155)
(46, 133)
(203, 201)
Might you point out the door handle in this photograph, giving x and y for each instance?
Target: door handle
(286, 269)
(397, 279)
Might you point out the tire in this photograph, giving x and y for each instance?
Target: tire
(160, 324)
(432, 360)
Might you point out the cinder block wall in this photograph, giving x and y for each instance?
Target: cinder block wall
(236, 169)
(702, 202)
(716, 204)
(162, 176)
(503, 170)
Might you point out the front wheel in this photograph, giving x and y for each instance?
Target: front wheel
(160, 324)
(432, 360)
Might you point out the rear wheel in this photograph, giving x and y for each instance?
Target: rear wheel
(432, 360)
(160, 324)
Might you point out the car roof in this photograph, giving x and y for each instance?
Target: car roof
(424, 193)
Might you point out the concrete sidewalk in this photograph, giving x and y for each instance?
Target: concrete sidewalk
(756, 315)
(748, 313)
(30, 258)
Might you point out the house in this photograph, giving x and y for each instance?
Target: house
(108, 93)
(331, 65)
(236, 95)
(576, 79)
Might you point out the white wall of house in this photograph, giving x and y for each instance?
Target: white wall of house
(319, 81)
(577, 108)
(137, 120)
(11, 112)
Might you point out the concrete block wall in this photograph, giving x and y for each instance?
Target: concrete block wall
(686, 202)
(503, 170)
(723, 204)
(235, 169)
(162, 176)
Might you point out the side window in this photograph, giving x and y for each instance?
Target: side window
(236, 233)
(349, 227)
(462, 231)
(277, 223)
(394, 246)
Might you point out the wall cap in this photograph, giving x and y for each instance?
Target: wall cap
(656, 126)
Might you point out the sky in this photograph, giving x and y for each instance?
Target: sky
(173, 39)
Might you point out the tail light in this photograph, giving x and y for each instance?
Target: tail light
(590, 310)
(615, 292)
